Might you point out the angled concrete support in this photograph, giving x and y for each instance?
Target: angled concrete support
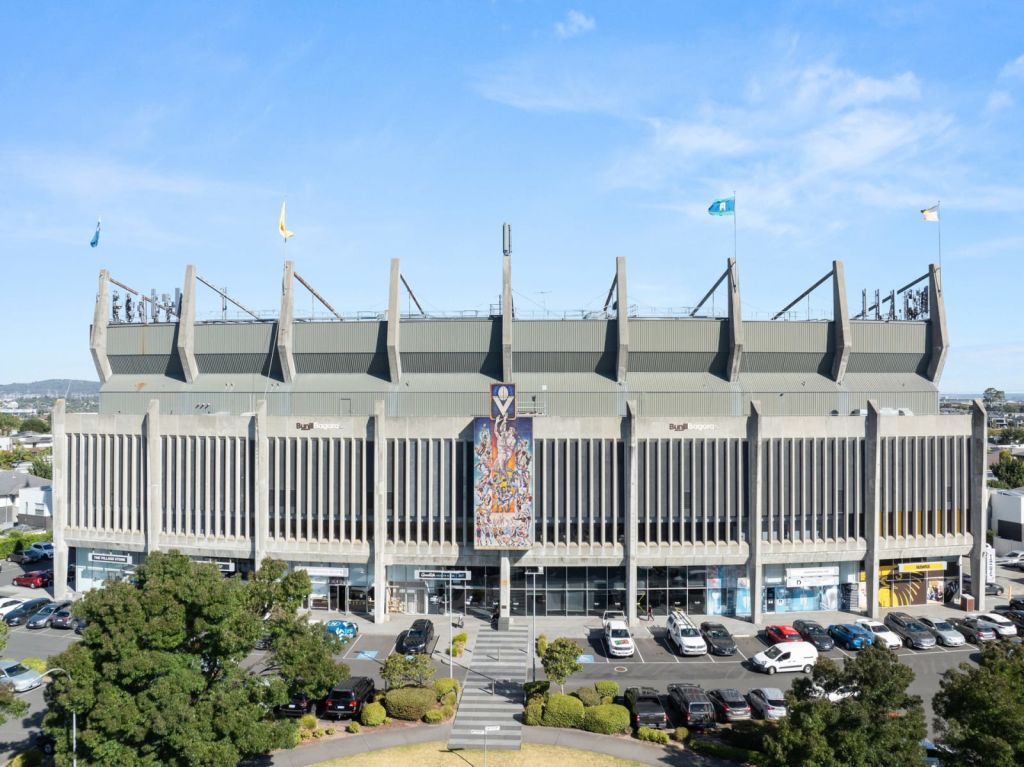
(154, 474)
(937, 324)
(842, 335)
(187, 326)
(735, 323)
(59, 458)
(979, 501)
(506, 318)
(872, 502)
(632, 513)
(394, 317)
(380, 503)
(755, 463)
(98, 332)
(261, 505)
(284, 323)
(621, 320)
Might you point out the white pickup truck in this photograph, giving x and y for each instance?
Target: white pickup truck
(612, 615)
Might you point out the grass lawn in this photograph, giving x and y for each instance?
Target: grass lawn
(437, 755)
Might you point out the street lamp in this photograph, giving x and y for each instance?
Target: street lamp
(74, 718)
(533, 631)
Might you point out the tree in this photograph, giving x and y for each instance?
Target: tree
(158, 675)
(1012, 435)
(41, 467)
(994, 398)
(1009, 469)
(560, 661)
(35, 424)
(880, 725)
(10, 705)
(980, 711)
(9, 423)
(400, 671)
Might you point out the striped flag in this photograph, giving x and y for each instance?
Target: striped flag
(932, 213)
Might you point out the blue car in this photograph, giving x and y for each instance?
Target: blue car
(849, 636)
(342, 629)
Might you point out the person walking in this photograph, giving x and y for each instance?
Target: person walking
(650, 611)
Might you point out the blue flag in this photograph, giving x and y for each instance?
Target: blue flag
(96, 237)
(724, 206)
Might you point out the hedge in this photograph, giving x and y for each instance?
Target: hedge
(563, 711)
(9, 543)
(409, 703)
(588, 696)
(533, 715)
(531, 689)
(447, 711)
(652, 735)
(461, 637)
(607, 689)
(308, 721)
(373, 715)
(748, 735)
(36, 664)
(433, 716)
(444, 686)
(449, 699)
(681, 734)
(606, 719)
(542, 645)
(722, 751)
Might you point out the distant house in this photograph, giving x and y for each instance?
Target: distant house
(25, 499)
(32, 439)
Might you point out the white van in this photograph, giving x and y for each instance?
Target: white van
(786, 656)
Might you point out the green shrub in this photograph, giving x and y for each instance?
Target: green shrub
(36, 664)
(331, 730)
(444, 686)
(373, 715)
(542, 645)
(305, 734)
(748, 734)
(387, 720)
(307, 721)
(652, 735)
(447, 711)
(378, 697)
(319, 732)
(588, 696)
(409, 703)
(722, 751)
(19, 541)
(607, 689)
(681, 734)
(30, 758)
(450, 699)
(563, 711)
(533, 714)
(461, 637)
(533, 689)
(353, 727)
(606, 719)
(606, 700)
(433, 716)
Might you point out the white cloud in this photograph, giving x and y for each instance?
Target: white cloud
(575, 24)
(998, 101)
(1014, 68)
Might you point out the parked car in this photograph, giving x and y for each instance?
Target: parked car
(24, 557)
(840, 693)
(786, 656)
(914, 633)
(767, 702)
(43, 548)
(342, 629)
(418, 638)
(881, 632)
(729, 703)
(717, 638)
(19, 677)
(347, 698)
(684, 634)
(298, 704)
(43, 617)
(1016, 603)
(79, 624)
(781, 633)
(9, 603)
(1011, 558)
(613, 615)
(849, 637)
(618, 640)
(991, 589)
(645, 709)
(62, 619)
(945, 633)
(1004, 626)
(975, 630)
(695, 707)
(815, 633)
(25, 610)
(34, 580)
(1016, 617)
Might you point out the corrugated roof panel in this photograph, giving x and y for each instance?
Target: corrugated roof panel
(449, 335)
(790, 337)
(233, 337)
(677, 335)
(338, 337)
(140, 339)
(561, 335)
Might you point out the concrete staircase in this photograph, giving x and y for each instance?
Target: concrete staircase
(493, 692)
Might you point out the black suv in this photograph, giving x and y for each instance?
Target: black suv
(694, 705)
(718, 638)
(298, 704)
(346, 699)
(418, 638)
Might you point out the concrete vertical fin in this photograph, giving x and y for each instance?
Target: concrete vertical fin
(755, 508)
(98, 332)
(186, 343)
(284, 323)
(394, 317)
(842, 335)
(735, 323)
(872, 502)
(261, 505)
(937, 325)
(58, 428)
(506, 318)
(380, 501)
(632, 513)
(979, 501)
(621, 320)
(154, 475)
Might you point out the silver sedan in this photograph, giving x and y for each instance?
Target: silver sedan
(20, 677)
(943, 631)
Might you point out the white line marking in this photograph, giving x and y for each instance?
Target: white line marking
(637, 647)
(352, 646)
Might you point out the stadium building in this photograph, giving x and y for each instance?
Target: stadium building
(710, 463)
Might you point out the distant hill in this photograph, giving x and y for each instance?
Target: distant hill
(51, 387)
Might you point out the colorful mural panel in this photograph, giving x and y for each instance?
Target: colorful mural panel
(503, 483)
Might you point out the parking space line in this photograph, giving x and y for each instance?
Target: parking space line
(740, 652)
(712, 658)
(637, 647)
(354, 643)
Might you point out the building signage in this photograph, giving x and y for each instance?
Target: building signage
(806, 577)
(117, 559)
(442, 575)
(692, 427)
(320, 425)
(326, 572)
(918, 567)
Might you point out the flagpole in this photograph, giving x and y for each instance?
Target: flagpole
(937, 210)
(733, 224)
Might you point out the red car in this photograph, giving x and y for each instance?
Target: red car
(35, 580)
(778, 634)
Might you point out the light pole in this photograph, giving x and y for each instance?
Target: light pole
(533, 630)
(74, 719)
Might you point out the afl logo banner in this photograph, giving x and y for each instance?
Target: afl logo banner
(503, 401)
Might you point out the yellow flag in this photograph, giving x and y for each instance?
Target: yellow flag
(282, 228)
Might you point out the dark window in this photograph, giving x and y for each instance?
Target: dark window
(1010, 530)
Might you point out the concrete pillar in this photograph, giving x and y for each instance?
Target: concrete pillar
(380, 501)
(621, 320)
(60, 500)
(505, 593)
(735, 323)
(631, 515)
(261, 505)
(841, 333)
(506, 318)
(394, 317)
(186, 332)
(284, 324)
(872, 502)
(98, 332)
(936, 324)
(755, 509)
(979, 501)
(154, 475)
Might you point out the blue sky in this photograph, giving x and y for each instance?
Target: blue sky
(413, 130)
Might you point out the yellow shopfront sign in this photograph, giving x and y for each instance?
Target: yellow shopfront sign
(920, 567)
